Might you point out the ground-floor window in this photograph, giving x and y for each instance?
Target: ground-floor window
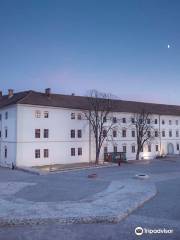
(177, 146)
(115, 148)
(105, 149)
(133, 149)
(37, 153)
(149, 148)
(5, 152)
(79, 151)
(124, 149)
(46, 153)
(72, 151)
(157, 148)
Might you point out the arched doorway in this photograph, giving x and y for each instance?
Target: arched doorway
(170, 148)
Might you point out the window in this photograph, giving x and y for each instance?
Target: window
(79, 134)
(0, 134)
(37, 114)
(72, 133)
(132, 120)
(157, 148)
(72, 115)
(133, 133)
(140, 121)
(149, 148)
(177, 133)
(5, 152)
(124, 120)
(37, 133)
(124, 133)
(6, 132)
(156, 133)
(114, 120)
(115, 149)
(149, 134)
(163, 134)
(37, 153)
(46, 114)
(170, 133)
(46, 153)
(72, 151)
(156, 121)
(124, 149)
(177, 146)
(177, 122)
(79, 116)
(105, 149)
(170, 122)
(114, 133)
(133, 149)
(142, 149)
(6, 115)
(0, 117)
(104, 119)
(79, 151)
(163, 122)
(104, 133)
(148, 121)
(46, 133)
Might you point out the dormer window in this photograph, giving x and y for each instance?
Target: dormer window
(72, 115)
(37, 114)
(46, 114)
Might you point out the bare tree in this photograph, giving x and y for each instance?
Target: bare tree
(145, 132)
(100, 105)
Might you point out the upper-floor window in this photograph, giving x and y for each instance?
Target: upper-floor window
(79, 133)
(46, 133)
(0, 117)
(79, 151)
(140, 121)
(124, 133)
(163, 133)
(133, 149)
(156, 121)
(177, 122)
(156, 133)
(132, 120)
(104, 133)
(105, 149)
(133, 133)
(0, 134)
(37, 113)
(73, 115)
(114, 133)
(170, 133)
(6, 115)
(104, 119)
(149, 133)
(124, 120)
(79, 116)
(177, 133)
(177, 146)
(46, 114)
(72, 133)
(114, 120)
(115, 149)
(46, 153)
(163, 122)
(37, 153)
(170, 122)
(148, 121)
(73, 153)
(37, 133)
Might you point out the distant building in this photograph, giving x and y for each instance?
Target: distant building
(44, 128)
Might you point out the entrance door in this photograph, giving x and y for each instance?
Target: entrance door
(170, 148)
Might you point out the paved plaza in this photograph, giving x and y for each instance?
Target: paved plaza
(75, 193)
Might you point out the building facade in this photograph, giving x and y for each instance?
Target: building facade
(44, 128)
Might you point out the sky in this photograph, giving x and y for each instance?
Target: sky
(72, 46)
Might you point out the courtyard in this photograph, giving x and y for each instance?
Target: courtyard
(114, 190)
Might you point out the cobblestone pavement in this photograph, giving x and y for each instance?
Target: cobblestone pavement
(163, 211)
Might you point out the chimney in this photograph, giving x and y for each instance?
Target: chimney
(10, 93)
(48, 91)
(1, 94)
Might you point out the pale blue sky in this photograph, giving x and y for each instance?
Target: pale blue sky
(75, 45)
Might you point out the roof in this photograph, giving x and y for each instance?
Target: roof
(80, 102)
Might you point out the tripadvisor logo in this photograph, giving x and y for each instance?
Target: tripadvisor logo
(138, 231)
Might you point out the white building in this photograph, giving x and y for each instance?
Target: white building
(44, 128)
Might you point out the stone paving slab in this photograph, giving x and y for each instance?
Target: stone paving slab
(118, 200)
